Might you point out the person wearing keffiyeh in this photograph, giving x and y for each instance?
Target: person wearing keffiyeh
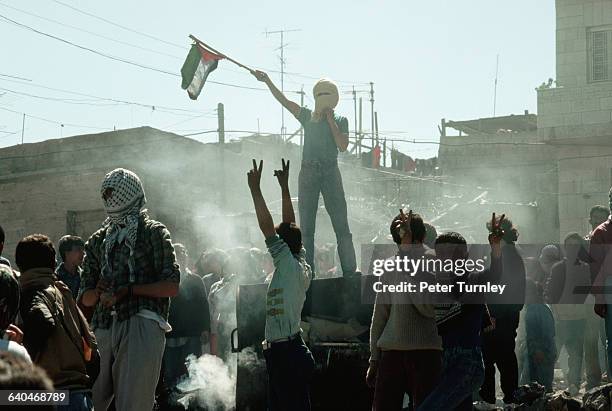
(129, 274)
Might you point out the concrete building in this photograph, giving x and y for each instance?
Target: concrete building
(575, 117)
(198, 190)
(53, 187)
(500, 162)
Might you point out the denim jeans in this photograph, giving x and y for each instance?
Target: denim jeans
(608, 321)
(570, 334)
(323, 177)
(542, 372)
(78, 401)
(462, 374)
(592, 366)
(290, 367)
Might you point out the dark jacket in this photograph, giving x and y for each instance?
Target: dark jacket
(56, 334)
(507, 307)
(601, 241)
(189, 312)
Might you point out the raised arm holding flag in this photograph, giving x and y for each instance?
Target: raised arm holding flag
(325, 133)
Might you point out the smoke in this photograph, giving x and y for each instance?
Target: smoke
(211, 382)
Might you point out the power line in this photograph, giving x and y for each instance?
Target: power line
(53, 121)
(182, 47)
(62, 100)
(120, 59)
(15, 77)
(42, 33)
(151, 37)
(121, 101)
(92, 103)
(90, 32)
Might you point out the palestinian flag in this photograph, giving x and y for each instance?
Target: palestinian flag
(198, 65)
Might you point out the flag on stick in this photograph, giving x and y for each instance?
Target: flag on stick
(199, 63)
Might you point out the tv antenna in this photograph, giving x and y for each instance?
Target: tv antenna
(282, 67)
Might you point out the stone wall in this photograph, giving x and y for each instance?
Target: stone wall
(198, 190)
(575, 118)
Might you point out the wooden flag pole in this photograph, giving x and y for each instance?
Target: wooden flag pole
(194, 38)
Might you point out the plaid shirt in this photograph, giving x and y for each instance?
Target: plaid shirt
(155, 261)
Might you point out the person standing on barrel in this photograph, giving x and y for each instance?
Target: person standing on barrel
(325, 133)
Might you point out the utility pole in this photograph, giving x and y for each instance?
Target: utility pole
(22, 128)
(302, 105)
(360, 125)
(221, 123)
(376, 125)
(221, 148)
(282, 70)
(495, 89)
(376, 128)
(384, 150)
(355, 108)
(372, 102)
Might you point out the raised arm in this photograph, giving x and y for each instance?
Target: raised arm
(266, 224)
(495, 271)
(293, 108)
(340, 137)
(283, 180)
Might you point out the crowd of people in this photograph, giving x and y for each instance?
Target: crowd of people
(121, 313)
(114, 318)
(114, 322)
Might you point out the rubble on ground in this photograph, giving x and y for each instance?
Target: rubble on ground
(598, 398)
(533, 397)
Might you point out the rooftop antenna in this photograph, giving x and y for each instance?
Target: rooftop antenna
(495, 89)
(282, 70)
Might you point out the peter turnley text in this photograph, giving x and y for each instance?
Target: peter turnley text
(427, 287)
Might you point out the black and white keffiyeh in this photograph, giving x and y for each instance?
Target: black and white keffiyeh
(123, 207)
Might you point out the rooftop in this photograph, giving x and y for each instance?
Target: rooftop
(493, 125)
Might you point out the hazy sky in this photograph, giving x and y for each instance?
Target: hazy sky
(428, 60)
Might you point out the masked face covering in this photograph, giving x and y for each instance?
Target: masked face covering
(123, 198)
(326, 95)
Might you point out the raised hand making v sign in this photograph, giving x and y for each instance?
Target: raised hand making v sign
(403, 227)
(283, 180)
(496, 233)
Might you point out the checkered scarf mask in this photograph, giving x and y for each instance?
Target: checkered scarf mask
(123, 207)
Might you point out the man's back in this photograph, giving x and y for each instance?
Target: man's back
(53, 336)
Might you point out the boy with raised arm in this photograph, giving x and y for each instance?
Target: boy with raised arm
(325, 133)
(288, 360)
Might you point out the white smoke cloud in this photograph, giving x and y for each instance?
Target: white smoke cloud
(211, 382)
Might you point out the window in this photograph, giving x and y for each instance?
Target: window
(600, 64)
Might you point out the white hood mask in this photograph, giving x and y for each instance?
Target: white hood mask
(326, 95)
